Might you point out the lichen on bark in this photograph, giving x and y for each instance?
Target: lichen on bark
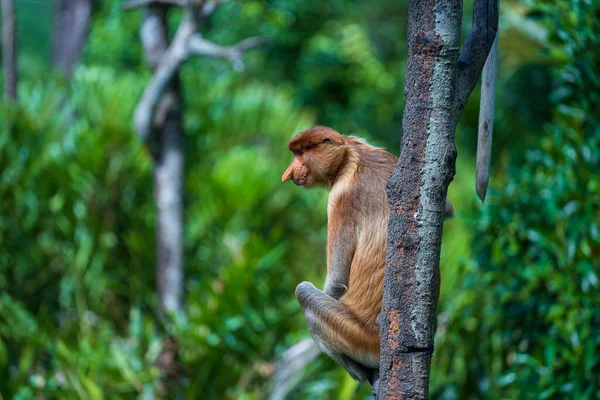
(435, 87)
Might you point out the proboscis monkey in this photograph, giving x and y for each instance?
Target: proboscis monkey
(342, 318)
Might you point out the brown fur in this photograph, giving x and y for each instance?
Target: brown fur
(342, 319)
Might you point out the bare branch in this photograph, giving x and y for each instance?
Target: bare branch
(486, 121)
(160, 110)
(210, 6)
(132, 4)
(288, 369)
(251, 42)
(167, 67)
(200, 46)
(153, 35)
(475, 50)
(70, 32)
(186, 42)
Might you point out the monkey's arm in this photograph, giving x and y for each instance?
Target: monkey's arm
(341, 245)
(339, 260)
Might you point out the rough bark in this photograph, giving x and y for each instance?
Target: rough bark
(9, 50)
(71, 28)
(437, 84)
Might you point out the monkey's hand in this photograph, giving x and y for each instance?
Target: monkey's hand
(335, 290)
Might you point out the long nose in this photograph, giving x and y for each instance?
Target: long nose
(288, 174)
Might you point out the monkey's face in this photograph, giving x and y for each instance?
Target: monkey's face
(298, 172)
(318, 154)
(317, 166)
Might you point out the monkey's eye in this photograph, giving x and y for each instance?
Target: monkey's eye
(326, 140)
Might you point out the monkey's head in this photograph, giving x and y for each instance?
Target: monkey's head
(319, 153)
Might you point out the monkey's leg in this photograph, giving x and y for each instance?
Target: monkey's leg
(338, 333)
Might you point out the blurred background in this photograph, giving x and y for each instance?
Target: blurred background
(519, 312)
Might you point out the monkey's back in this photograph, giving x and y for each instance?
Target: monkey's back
(370, 214)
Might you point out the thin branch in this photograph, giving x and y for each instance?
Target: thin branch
(475, 50)
(210, 6)
(289, 368)
(133, 4)
(198, 45)
(486, 121)
(70, 32)
(167, 67)
(186, 42)
(153, 35)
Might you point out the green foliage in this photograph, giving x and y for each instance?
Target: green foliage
(77, 241)
(529, 303)
(346, 62)
(243, 237)
(71, 186)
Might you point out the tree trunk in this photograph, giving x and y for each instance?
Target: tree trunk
(9, 50)
(166, 145)
(168, 152)
(168, 186)
(158, 122)
(71, 28)
(437, 84)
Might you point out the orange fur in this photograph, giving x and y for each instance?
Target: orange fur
(343, 318)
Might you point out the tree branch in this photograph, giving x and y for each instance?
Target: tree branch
(210, 6)
(475, 50)
(70, 31)
(133, 4)
(200, 46)
(185, 43)
(288, 369)
(167, 67)
(153, 35)
(486, 121)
